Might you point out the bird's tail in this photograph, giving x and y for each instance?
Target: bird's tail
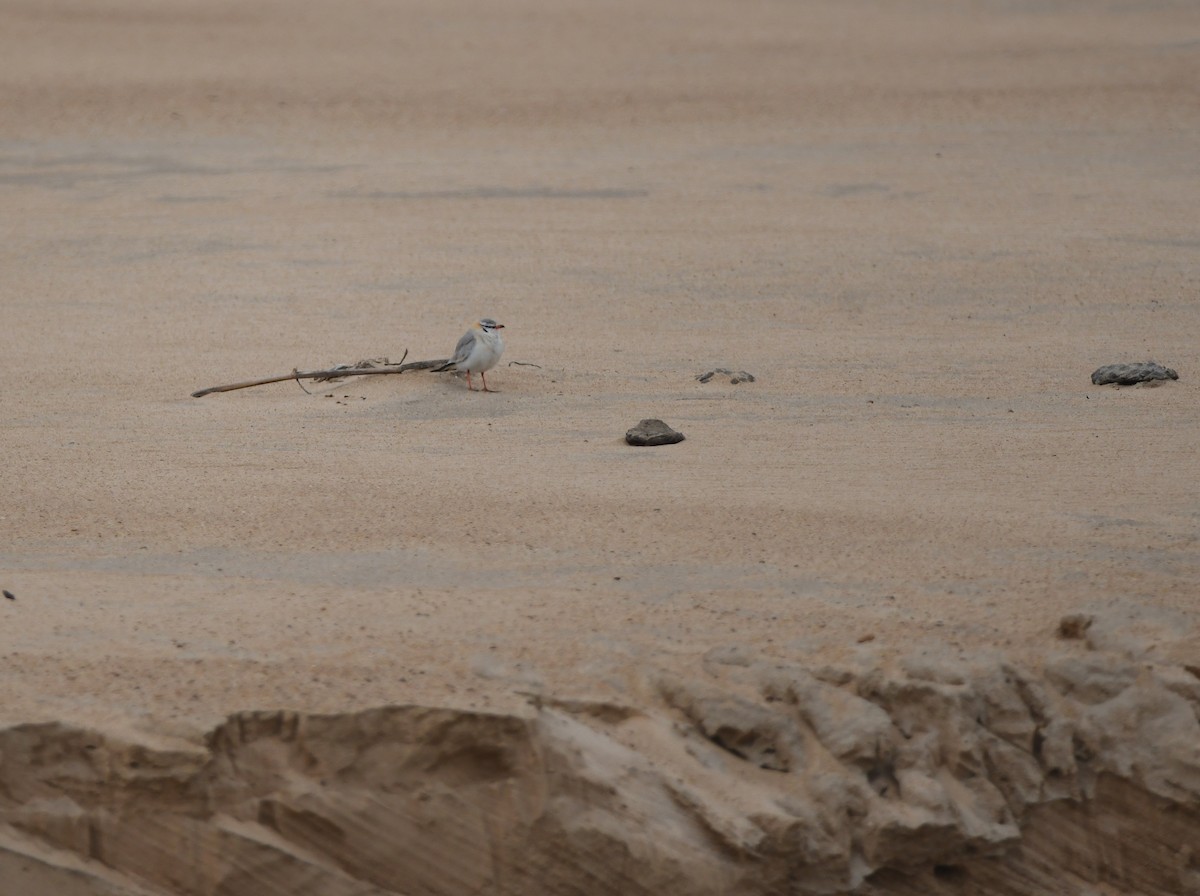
(449, 365)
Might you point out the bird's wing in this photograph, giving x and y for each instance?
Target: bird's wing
(462, 351)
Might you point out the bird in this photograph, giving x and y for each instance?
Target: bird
(478, 351)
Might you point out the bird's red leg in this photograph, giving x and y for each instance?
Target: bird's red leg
(470, 388)
(483, 376)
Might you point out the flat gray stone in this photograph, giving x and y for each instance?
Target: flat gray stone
(652, 432)
(1130, 374)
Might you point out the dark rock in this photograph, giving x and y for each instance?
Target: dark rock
(735, 376)
(653, 432)
(1074, 626)
(1130, 374)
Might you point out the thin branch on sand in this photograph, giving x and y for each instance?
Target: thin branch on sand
(371, 367)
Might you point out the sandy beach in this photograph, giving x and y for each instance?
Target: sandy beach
(920, 228)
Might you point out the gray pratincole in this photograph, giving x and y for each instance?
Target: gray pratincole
(478, 351)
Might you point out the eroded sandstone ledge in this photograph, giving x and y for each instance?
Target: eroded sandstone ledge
(749, 777)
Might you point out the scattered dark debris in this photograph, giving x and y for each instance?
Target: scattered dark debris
(735, 376)
(9, 594)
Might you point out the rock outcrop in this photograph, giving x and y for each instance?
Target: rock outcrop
(749, 777)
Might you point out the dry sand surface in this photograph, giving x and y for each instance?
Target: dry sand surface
(920, 225)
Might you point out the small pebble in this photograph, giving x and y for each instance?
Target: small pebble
(9, 594)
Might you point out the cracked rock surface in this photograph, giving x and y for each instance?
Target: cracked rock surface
(752, 776)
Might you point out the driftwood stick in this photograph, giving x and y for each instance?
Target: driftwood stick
(333, 374)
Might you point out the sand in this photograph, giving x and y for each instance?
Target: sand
(920, 227)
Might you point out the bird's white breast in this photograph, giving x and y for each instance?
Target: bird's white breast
(485, 354)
